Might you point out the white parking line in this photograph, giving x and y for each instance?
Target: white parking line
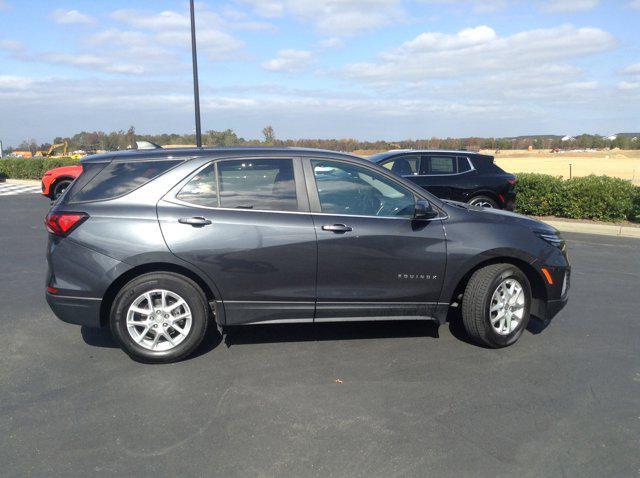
(8, 189)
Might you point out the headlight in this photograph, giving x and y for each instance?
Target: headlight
(551, 238)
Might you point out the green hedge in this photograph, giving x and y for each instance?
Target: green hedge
(591, 197)
(32, 168)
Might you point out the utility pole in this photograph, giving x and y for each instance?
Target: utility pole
(196, 89)
(1, 156)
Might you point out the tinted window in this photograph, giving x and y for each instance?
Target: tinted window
(347, 189)
(201, 189)
(463, 165)
(441, 164)
(120, 178)
(404, 165)
(257, 184)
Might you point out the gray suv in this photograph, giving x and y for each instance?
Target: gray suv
(161, 245)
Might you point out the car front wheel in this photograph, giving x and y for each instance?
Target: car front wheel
(496, 305)
(160, 317)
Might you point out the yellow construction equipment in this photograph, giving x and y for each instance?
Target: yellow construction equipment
(53, 147)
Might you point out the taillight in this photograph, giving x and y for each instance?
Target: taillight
(62, 223)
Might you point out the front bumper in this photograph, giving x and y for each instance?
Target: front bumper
(76, 310)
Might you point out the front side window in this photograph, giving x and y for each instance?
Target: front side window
(404, 165)
(346, 189)
(441, 164)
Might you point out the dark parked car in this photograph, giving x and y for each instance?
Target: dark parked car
(160, 245)
(457, 175)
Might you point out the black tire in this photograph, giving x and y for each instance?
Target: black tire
(182, 286)
(484, 201)
(60, 187)
(476, 303)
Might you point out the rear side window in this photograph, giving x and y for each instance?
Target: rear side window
(261, 184)
(266, 184)
(120, 178)
(202, 189)
(441, 164)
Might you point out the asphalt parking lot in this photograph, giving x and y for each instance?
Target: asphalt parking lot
(380, 399)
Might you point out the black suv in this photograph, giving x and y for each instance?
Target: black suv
(161, 245)
(457, 175)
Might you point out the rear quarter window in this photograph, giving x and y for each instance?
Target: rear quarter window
(486, 165)
(119, 178)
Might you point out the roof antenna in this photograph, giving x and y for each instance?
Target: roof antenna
(147, 145)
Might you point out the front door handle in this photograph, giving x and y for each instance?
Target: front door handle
(337, 228)
(195, 221)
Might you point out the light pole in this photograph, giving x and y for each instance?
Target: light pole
(196, 89)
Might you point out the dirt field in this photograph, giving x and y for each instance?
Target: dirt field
(623, 164)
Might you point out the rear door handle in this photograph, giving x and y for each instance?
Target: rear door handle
(337, 228)
(195, 221)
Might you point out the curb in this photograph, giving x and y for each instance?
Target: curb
(599, 229)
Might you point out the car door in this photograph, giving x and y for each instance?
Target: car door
(245, 222)
(374, 260)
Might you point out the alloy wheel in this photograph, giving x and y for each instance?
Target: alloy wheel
(506, 308)
(159, 320)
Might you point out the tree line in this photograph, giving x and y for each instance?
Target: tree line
(117, 140)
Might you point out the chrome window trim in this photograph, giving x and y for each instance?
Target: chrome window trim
(170, 197)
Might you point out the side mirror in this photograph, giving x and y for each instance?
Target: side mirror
(424, 210)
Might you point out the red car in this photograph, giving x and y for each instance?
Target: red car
(56, 180)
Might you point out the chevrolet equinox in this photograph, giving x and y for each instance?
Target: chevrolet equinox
(160, 245)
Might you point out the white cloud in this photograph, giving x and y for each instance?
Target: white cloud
(629, 85)
(11, 46)
(632, 70)
(344, 17)
(71, 17)
(479, 51)
(568, 6)
(172, 28)
(289, 61)
(635, 4)
(4, 5)
(94, 62)
(333, 42)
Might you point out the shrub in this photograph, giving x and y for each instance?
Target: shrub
(591, 197)
(598, 197)
(32, 168)
(539, 194)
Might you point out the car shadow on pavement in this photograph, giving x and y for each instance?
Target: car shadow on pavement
(254, 334)
(456, 327)
(102, 337)
(98, 337)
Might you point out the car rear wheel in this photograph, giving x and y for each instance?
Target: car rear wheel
(496, 305)
(483, 201)
(60, 187)
(160, 317)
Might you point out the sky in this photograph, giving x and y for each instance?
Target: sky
(364, 69)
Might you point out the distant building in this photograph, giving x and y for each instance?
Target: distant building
(567, 138)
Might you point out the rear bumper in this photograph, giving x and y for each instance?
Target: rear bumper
(76, 310)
